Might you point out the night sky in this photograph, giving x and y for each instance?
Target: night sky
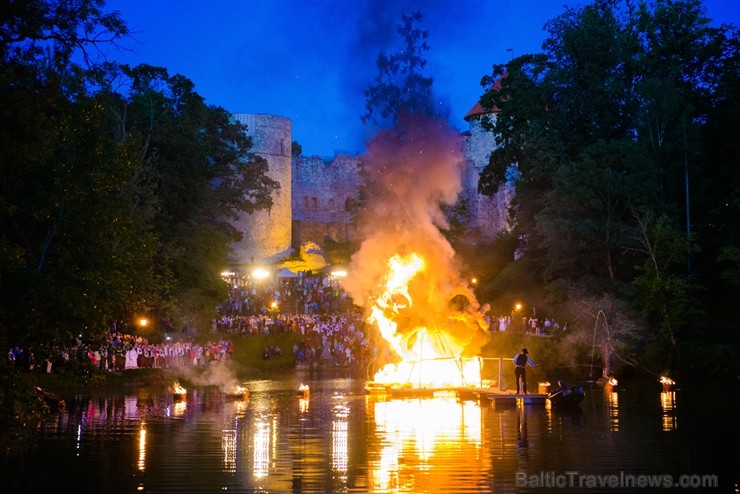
(311, 60)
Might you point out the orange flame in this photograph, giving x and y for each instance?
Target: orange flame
(429, 357)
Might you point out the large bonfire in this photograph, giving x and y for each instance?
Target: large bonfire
(405, 271)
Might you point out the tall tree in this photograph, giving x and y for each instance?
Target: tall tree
(116, 183)
(204, 174)
(52, 269)
(400, 85)
(606, 123)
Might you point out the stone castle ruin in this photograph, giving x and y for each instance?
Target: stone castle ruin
(318, 196)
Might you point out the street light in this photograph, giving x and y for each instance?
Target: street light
(143, 322)
(260, 273)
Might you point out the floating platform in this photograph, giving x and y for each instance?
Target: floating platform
(484, 396)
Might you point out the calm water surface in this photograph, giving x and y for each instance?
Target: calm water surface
(341, 440)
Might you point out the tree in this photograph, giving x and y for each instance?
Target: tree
(203, 175)
(51, 245)
(117, 184)
(400, 85)
(611, 120)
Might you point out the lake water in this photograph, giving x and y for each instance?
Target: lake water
(339, 439)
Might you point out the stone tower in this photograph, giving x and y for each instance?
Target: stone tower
(488, 214)
(267, 234)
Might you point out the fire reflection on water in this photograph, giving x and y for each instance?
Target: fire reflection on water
(668, 406)
(340, 439)
(261, 444)
(613, 401)
(141, 464)
(228, 447)
(425, 433)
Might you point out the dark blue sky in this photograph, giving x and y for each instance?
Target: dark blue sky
(311, 60)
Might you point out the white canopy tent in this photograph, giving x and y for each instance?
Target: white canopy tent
(286, 273)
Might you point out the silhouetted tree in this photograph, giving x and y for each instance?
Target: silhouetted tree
(400, 85)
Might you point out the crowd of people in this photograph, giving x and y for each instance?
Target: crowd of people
(315, 306)
(122, 351)
(527, 325)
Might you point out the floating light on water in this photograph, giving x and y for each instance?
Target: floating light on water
(667, 383)
(179, 392)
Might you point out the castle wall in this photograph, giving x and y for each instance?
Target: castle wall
(318, 197)
(324, 196)
(267, 234)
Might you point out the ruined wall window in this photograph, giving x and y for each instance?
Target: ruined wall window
(305, 202)
(350, 204)
(314, 203)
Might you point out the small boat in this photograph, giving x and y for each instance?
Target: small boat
(567, 398)
(178, 392)
(238, 393)
(54, 402)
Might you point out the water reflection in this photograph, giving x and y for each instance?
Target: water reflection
(668, 406)
(421, 440)
(612, 400)
(142, 448)
(339, 439)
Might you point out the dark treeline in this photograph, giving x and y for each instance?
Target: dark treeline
(624, 135)
(116, 182)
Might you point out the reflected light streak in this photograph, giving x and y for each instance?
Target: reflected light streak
(142, 447)
(79, 438)
(386, 476)
(340, 437)
(261, 459)
(613, 399)
(339, 445)
(668, 405)
(418, 430)
(228, 446)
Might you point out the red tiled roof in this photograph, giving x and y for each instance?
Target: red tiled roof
(478, 109)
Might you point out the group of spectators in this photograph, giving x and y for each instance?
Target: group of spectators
(315, 306)
(121, 351)
(526, 325)
(305, 293)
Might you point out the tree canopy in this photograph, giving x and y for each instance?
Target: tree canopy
(400, 84)
(620, 131)
(117, 183)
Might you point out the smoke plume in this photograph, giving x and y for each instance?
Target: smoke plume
(412, 170)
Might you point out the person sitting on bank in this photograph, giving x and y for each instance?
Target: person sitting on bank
(520, 362)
